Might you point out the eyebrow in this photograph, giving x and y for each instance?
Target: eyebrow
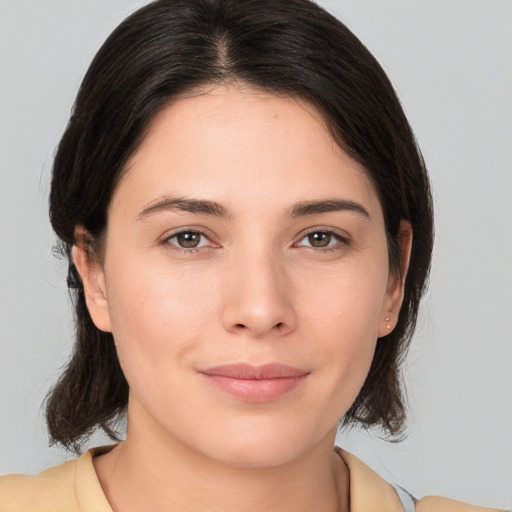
(306, 208)
(212, 208)
(201, 206)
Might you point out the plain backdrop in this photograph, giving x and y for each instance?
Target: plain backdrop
(450, 61)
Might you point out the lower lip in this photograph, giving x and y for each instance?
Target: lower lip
(256, 390)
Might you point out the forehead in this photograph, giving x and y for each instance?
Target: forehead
(245, 145)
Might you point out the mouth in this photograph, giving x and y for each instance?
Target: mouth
(255, 384)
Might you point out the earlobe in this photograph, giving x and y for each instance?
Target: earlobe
(395, 289)
(93, 280)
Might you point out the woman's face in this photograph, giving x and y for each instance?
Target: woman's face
(245, 278)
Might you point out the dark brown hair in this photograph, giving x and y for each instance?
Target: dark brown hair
(289, 47)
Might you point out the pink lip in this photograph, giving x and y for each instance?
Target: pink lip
(256, 383)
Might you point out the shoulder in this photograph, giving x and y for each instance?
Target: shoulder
(370, 492)
(51, 489)
(69, 487)
(438, 504)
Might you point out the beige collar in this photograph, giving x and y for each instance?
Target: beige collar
(368, 491)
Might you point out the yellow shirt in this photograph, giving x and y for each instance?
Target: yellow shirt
(74, 487)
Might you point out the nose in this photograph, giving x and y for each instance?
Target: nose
(257, 297)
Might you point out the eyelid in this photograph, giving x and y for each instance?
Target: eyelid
(188, 229)
(342, 236)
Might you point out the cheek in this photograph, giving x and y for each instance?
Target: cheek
(348, 301)
(344, 317)
(156, 315)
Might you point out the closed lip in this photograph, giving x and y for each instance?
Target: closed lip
(255, 383)
(248, 371)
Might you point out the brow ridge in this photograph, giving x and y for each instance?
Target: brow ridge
(201, 206)
(213, 208)
(305, 208)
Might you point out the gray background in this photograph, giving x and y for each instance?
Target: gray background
(450, 61)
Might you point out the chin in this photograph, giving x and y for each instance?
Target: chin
(250, 455)
(260, 445)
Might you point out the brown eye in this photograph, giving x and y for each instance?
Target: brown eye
(187, 239)
(328, 240)
(319, 239)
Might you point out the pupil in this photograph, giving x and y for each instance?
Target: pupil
(188, 239)
(319, 239)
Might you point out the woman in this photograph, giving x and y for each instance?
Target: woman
(249, 228)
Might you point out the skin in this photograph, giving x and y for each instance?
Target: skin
(255, 290)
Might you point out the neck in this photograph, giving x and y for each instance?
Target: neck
(152, 470)
(146, 472)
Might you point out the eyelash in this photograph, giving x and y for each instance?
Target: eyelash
(343, 240)
(188, 250)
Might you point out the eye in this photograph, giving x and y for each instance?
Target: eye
(188, 239)
(322, 240)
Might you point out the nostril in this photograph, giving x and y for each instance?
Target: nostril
(243, 326)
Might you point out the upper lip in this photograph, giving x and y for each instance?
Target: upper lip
(252, 372)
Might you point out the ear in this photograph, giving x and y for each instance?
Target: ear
(396, 282)
(93, 279)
